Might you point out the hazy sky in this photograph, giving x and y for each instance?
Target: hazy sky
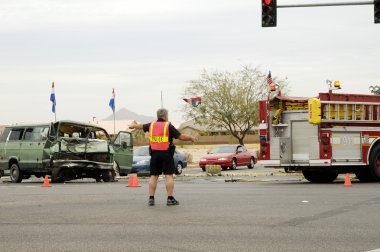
(88, 47)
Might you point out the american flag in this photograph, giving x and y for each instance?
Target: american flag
(195, 102)
(269, 78)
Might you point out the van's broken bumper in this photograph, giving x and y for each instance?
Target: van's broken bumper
(83, 164)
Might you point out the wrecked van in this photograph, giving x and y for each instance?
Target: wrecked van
(65, 150)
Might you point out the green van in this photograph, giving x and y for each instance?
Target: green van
(66, 150)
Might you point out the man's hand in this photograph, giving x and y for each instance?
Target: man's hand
(135, 126)
(184, 137)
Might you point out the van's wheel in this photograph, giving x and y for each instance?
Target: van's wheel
(15, 173)
(251, 163)
(203, 168)
(1, 173)
(107, 176)
(374, 163)
(320, 176)
(224, 168)
(234, 164)
(178, 169)
(57, 175)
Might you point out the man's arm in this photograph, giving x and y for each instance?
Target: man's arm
(184, 137)
(136, 126)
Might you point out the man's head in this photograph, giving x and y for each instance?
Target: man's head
(162, 113)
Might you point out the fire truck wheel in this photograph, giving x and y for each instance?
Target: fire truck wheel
(374, 163)
(363, 174)
(224, 168)
(320, 176)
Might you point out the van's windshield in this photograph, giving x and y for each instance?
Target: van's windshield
(71, 130)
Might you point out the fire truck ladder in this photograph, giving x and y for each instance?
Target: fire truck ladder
(353, 112)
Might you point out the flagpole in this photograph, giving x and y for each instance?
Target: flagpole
(114, 117)
(162, 102)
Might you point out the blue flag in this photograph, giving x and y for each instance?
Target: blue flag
(112, 101)
(52, 98)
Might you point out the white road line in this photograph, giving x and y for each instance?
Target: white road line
(376, 250)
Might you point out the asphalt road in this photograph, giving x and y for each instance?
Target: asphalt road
(213, 215)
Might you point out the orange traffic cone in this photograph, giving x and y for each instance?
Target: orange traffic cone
(46, 182)
(133, 181)
(347, 180)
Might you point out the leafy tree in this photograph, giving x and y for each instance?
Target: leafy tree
(230, 100)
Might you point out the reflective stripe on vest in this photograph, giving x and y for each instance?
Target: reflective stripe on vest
(159, 136)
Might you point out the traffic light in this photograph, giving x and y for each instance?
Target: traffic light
(376, 4)
(269, 13)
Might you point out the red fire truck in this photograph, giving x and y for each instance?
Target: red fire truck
(322, 136)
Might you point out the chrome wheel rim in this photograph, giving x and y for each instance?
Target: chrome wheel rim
(179, 168)
(233, 164)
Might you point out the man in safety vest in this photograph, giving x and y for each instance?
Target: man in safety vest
(161, 134)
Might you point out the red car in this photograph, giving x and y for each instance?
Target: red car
(229, 156)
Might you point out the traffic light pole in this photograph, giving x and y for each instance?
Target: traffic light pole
(326, 4)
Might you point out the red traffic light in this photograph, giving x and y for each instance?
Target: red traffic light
(269, 13)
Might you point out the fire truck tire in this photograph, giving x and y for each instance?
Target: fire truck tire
(363, 174)
(320, 176)
(374, 163)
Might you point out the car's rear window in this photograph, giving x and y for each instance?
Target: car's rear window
(223, 149)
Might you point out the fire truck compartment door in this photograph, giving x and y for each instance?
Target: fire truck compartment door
(346, 146)
(285, 150)
(305, 145)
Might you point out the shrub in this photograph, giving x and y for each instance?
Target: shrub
(189, 157)
(214, 169)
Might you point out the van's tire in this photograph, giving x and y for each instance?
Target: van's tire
(15, 173)
(1, 173)
(57, 175)
(251, 163)
(320, 176)
(108, 176)
(374, 163)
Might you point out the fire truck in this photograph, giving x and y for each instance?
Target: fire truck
(322, 136)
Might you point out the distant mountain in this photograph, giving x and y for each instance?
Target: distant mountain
(125, 114)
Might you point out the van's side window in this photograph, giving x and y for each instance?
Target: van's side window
(28, 134)
(5, 135)
(16, 135)
(36, 134)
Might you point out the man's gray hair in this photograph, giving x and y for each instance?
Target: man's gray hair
(162, 112)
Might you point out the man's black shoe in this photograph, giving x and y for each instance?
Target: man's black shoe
(172, 202)
(151, 202)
